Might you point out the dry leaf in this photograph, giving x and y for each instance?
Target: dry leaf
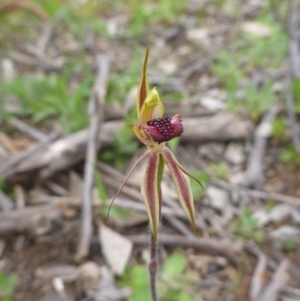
(115, 248)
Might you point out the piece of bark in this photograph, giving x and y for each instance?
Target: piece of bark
(222, 126)
(231, 251)
(37, 220)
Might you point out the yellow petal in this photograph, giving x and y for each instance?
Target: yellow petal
(153, 108)
(142, 134)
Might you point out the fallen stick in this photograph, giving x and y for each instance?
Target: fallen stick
(223, 126)
(231, 251)
(28, 130)
(277, 283)
(258, 278)
(66, 152)
(254, 173)
(59, 155)
(294, 201)
(96, 106)
(37, 220)
(28, 155)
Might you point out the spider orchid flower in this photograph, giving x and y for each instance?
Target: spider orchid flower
(154, 130)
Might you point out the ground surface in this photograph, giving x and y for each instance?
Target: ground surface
(222, 65)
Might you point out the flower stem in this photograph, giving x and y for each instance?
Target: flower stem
(153, 266)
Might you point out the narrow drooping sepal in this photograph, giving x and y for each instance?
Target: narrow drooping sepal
(165, 128)
(182, 184)
(151, 190)
(144, 86)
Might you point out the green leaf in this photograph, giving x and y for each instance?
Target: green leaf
(246, 222)
(203, 178)
(183, 296)
(7, 285)
(100, 188)
(137, 279)
(290, 245)
(139, 276)
(290, 155)
(220, 170)
(174, 265)
(173, 144)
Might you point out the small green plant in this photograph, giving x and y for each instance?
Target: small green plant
(290, 155)
(172, 272)
(49, 7)
(52, 97)
(220, 170)
(7, 284)
(246, 226)
(137, 279)
(290, 245)
(198, 191)
(279, 128)
(233, 68)
(123, 147)
(270, 205)
(148, 13)
(170, 282)
(258, 100)
(296, 90)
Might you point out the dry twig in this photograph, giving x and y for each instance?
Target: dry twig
(96, 115)
(256, 193)
(231, 251)
(27, 129)
(278, 281)
(37, 220)
(47, 159)
(222, 127)
(255, 174)
(258, 278)
(16, 163)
